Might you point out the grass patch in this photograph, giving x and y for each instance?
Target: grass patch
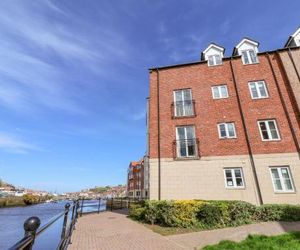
(288, 241)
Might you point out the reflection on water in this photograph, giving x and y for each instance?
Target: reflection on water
(12, 219)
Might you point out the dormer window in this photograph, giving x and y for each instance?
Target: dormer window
(294, 40)
(213, 54)
(249, 56)
(248, 49)
(214, 60)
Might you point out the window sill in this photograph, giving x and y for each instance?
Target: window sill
(259, 98)
(235, 188)
(225, 138)
(182, 117)
(214, 65)
(220, 98)
(275, 140)
(246, 64)
(186, 158)
(285, 192)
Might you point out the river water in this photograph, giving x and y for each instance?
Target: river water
(12, 220)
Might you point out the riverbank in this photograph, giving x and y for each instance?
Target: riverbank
(12, 202)
(21, 201)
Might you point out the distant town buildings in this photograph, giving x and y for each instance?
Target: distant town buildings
(225, 128)
(99, 192)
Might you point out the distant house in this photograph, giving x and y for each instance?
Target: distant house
(137, 179)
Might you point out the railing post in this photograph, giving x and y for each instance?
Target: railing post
(77, 208)
(81, 207)
(99, 204)
(121, 202)
(73, 220)
(30, 227)
(63, 231)
(112, 203)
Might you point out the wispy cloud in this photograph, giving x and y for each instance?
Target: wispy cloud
(139, 116)
(40, 49)
(12, 143)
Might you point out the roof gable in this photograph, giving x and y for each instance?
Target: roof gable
(245, 41)
(213, 48)
(291, 41)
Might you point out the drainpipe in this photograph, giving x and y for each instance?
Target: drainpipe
(260, 200)
(158, 137)
(284, 106)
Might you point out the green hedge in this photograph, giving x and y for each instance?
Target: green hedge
(210, 214)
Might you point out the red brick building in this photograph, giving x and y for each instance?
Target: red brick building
(227, 127)
(137, 180)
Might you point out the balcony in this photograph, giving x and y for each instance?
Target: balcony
(186, 149)
(130, 176)
(183, 109)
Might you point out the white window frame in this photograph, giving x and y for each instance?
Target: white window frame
(185, 138)
(214, 60)
(184, 110)
(249, 57)
(257, 89)
(284, 190)
(226, 129)
(219, 90)
(235, 186)
(268, 130)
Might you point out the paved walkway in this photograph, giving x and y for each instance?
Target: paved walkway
(111, 230)
(201, 239)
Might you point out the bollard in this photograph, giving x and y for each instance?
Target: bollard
(30, 227)
(63, 232)
(99, 204)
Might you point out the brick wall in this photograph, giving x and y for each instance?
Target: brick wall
(209, 112)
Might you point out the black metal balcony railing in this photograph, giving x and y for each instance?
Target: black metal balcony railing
(183, 108)
(186, 148)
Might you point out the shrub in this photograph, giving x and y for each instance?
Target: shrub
(30, 199)
(276, 212)
(151, 212)
(214, 214)
(269, 212)
(167, 213)
(137, 212)
(210, 214)
(241, 212)
(185, 213)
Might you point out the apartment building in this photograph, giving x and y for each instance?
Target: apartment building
(227, 128)
(137, 179)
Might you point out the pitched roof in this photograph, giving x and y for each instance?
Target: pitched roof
(291, 37)
(209, 46)
(245, 39)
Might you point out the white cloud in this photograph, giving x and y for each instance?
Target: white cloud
(13, 144)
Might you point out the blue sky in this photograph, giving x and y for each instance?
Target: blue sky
(74, 77)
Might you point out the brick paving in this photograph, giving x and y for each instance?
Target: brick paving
(204, 238)
(112, 230)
